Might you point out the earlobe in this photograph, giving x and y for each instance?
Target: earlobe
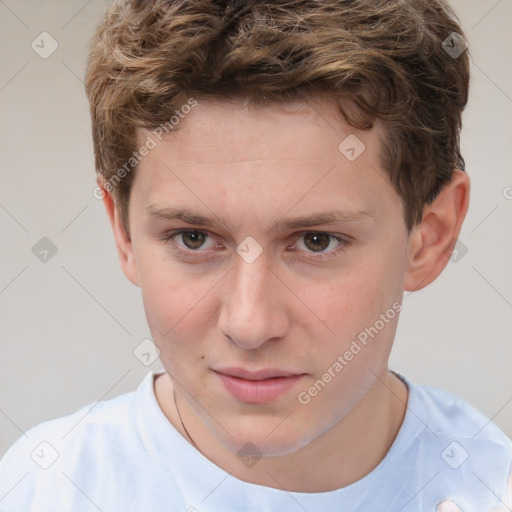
(432, 242)
(122, 238)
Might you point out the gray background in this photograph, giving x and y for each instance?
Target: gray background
(68, 326)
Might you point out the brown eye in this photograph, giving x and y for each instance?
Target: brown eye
(317, 242)
(193, 239)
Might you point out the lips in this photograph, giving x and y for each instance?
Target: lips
(269, 373)
(257, 387)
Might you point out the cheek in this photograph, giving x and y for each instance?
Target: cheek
(165, 293)
(353, 305)
(357, 297)
(177, 307)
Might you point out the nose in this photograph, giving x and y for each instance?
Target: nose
(254, 308)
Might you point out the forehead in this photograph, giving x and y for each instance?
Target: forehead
(227, 132)
(236, 122)
(280, 154)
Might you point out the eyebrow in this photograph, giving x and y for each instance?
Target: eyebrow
(329, 217)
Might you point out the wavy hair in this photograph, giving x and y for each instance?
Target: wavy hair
(387, 58)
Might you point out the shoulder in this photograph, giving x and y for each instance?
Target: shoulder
(448, 414)
(96, 419)
(466, 451)
(51, 454)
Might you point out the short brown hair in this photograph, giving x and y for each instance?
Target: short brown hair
(387, 58)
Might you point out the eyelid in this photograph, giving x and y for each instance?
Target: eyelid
(171, 235)
(344, 241)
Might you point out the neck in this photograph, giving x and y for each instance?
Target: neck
(362, 439)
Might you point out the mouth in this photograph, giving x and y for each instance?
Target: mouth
(257, 387)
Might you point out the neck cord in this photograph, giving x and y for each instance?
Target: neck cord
(181, 420)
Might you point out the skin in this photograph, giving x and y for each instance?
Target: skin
(288, 309)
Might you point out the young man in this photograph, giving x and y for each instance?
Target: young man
(277, 174)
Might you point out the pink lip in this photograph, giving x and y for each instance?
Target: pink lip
(257, 387)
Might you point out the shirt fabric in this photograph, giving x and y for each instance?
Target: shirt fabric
(124, 455)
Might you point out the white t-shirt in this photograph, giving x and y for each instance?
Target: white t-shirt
(124, 455)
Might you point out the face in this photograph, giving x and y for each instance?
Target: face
(271, 267)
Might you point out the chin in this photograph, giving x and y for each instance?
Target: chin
(264, 440)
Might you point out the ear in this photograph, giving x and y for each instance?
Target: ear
(431, 243)
(122, 238)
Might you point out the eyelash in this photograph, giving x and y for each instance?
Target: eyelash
(344, 243)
